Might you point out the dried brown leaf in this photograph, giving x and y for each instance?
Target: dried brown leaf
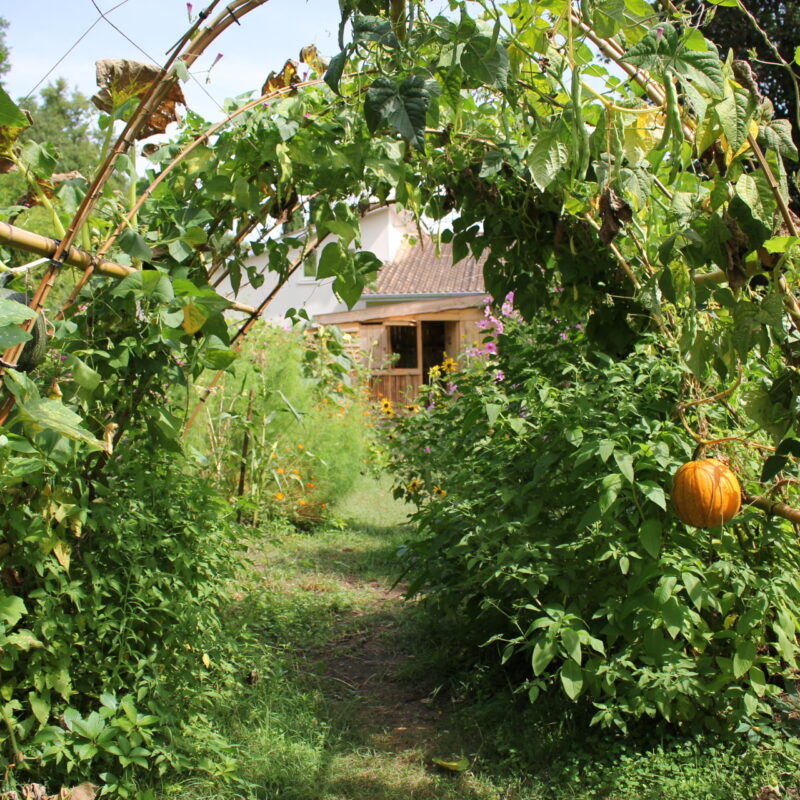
(286, 77)
(121, 80)
(614, 212)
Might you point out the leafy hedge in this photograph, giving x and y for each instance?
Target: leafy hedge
(540, 469)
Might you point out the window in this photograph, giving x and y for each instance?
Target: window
(403, 342)
(310, 266)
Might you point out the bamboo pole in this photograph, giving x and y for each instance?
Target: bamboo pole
(74, 257)
(773, 509)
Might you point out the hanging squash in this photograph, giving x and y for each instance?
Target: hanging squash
(706, 493)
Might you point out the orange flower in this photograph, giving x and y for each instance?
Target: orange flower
(279, 495)
(280, 470)
(296, 471)
(274, 455)
(300, 447)
(302, 502)
(309, 486)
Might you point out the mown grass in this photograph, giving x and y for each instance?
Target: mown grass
(304, 730)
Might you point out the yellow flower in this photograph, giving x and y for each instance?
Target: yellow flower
(435, 372)
(439, 492)
(279, 495)
(414, 486)
(302, 502)
(450, 365)
(301, 447)
(387, 407)
(296, 471)
(280, 470)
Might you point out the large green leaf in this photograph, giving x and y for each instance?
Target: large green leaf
(664, 50)
(572, 679)
(48, 414)
(39, 159)
(549, 156)
(402, 107)
(333, 75)
(11, 115)
(777, 134)
(374, 29)
(543, 653)
(134, 245)
(734, 113)
(11, 609)
(744, 657)
(12, 315)
(486, 60)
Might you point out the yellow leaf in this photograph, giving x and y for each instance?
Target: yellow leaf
(730, 621)
(310, 56)
(193, 318)
(62, 553)
(642, 132)
(206, 661)
(454, 766)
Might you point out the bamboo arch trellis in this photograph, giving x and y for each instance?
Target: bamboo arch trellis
(188, 49)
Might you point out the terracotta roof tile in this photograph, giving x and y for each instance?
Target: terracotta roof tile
(417, 269)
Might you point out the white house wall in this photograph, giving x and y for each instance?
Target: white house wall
(382, 232)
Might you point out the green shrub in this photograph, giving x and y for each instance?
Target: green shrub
(541, 476)
(111, 604)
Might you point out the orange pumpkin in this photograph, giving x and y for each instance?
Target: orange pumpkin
(706, 493)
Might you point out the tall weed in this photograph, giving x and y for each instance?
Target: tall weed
(287, 429)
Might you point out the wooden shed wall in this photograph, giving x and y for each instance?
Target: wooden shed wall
(373, 341)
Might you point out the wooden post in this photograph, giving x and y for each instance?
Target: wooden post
(245, 450)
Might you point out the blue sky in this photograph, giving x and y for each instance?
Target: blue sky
(41, 31)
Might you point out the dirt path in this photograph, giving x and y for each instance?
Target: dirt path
(394, 714)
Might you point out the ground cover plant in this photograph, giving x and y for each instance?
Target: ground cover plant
(616, 170)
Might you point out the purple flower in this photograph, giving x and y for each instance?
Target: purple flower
(562, 335)
(427, 449)
(499, 375)
(189, 11)
(451, 387)
(484, 324)
(490, 349)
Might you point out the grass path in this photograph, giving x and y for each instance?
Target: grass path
(382, 727)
